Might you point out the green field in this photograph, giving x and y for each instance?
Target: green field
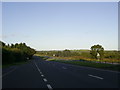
(109, 56)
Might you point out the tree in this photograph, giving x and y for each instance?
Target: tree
(58, 53)
(16, 52)
(2, 44)
(66, 53)
(12, 45)
(16, 45)
(97, 49)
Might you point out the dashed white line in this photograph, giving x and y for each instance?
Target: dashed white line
(95, 76)
(42, 75)
(64, 67)
(45, 79)
(49, 86)
(40, 72)
(38, 68)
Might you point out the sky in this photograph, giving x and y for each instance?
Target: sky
(61, 25)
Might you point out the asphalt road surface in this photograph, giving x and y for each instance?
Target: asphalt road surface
(39, 73)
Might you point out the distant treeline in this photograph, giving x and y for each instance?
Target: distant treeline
(64, 53)
(16, 52)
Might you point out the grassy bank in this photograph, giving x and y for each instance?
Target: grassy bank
(85, 59)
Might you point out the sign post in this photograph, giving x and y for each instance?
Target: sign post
(98, 56)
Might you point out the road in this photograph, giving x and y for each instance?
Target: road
(39, 73)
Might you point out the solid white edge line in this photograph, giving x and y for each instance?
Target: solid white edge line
(7, 73)
(49, 86)
(95, 76)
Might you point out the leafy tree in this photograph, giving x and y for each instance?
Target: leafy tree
(66, 53)
(58, 53)
(18, 55)
(12, 46)
(7, 56)
(2, 44)
(8, 45)
(16, 52)
(16, 45)
(97, 49)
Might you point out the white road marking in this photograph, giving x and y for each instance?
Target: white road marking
(45, 79)
(42, 75)
(95, 76)
(38, 68)
(40, 72)
(49, 86)
(7, 73)
(64, 67)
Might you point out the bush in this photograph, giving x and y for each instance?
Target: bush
(16, 53)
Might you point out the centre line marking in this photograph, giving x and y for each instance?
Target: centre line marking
(45, 79)
(40, 72)
(64, 68)
(95, 76)
(38, 68)
(42, 75)
(49, 86)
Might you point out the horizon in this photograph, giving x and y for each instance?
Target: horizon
(63, 25)
(74, 49)
(62, 49)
